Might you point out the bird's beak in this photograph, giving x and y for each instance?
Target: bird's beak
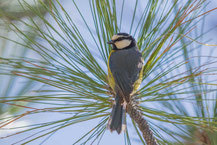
(110, 42)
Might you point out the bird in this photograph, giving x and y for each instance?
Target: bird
(125, 71)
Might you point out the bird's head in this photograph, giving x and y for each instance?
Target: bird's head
(122, 41)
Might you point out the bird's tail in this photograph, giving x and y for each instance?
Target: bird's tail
(117, 120)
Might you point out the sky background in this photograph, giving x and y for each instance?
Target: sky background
(68, 135)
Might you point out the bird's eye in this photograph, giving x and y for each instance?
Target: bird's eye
(119, 39)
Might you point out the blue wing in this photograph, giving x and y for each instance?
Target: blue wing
(125, 66)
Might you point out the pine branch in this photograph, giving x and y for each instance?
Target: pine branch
(136, 115)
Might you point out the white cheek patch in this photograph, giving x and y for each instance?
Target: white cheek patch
(122, 44)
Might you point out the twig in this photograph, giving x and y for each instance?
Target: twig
(136, 115)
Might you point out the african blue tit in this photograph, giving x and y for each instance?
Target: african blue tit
(125, 69)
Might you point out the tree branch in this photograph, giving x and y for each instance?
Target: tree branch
(136, 115)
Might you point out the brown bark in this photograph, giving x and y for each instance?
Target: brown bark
(136, 115)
